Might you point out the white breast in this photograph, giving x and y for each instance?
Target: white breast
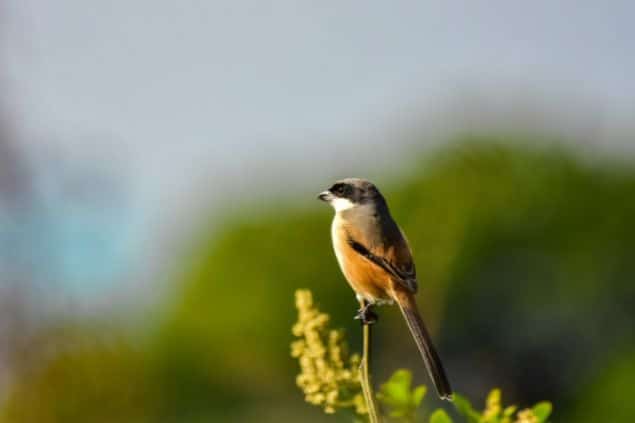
(337, 242)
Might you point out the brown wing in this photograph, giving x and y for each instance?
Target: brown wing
(396, 260)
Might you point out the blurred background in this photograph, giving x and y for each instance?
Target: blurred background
(159, 163)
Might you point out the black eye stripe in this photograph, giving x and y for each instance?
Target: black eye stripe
(338, 189)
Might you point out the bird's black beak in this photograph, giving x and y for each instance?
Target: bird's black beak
(325, 196)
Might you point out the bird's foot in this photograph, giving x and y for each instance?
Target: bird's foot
(367, 315)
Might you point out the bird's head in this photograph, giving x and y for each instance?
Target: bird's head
(350, 193)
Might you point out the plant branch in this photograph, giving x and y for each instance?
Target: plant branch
(367, 387)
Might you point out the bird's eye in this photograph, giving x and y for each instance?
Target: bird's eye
(338, 189)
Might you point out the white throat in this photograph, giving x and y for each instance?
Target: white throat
(341, 204)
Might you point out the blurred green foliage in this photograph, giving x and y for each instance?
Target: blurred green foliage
(526, 258)
(70, 379)
(397, 395)
(403, 403)
(495, 412)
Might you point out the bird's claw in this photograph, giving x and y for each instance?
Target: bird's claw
(366, 315)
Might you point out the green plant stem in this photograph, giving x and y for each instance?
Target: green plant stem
(367, 387)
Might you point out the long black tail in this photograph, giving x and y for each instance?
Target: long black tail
(430, 357)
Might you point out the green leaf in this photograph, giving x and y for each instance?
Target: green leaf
(464, 407)
(397, 389)
(440, 416)
(418, 394)
(494, 396)
(542, 410)
(509, 411)
(397, 395)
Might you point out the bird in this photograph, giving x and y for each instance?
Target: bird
(376, 260)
